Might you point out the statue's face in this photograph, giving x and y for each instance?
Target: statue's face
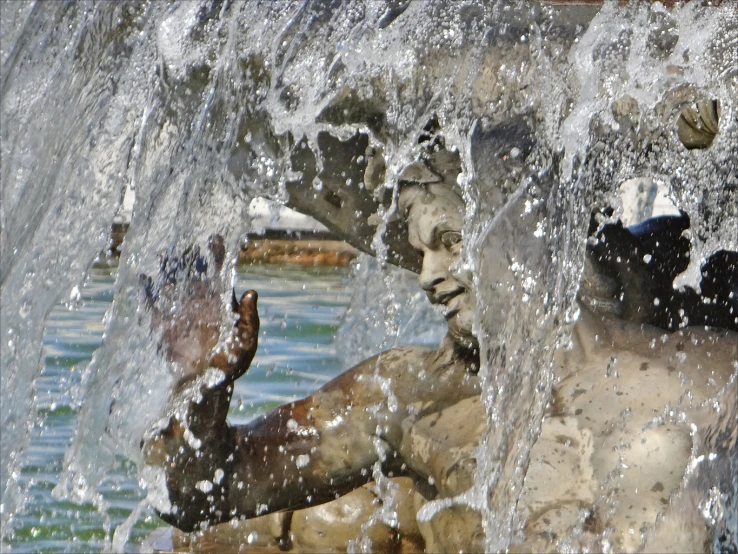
(434, 228)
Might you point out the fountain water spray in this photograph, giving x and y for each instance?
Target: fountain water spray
(201, 106)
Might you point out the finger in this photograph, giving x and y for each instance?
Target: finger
(247, 332)
(216, 244)
(247, 324)
(242, 346)
(247, 311)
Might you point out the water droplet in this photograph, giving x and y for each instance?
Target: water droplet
(204, 485)
(218, 476)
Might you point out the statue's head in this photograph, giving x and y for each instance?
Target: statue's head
(435, 214)
(429, 201)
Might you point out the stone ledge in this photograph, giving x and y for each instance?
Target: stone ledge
(312, 249)
(316, 253)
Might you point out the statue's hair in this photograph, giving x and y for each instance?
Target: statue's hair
(450, 193)
(436, 168)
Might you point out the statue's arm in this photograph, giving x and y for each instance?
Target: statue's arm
(301, 454)
(311, 451)
(316, 449)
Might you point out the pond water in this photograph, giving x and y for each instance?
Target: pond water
(300, 311)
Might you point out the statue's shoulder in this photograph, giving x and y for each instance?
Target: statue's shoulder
(392, 361)
(410, 353)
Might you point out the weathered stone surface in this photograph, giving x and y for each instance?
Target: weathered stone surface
(325, 528)
(560, 482)
(442, 445)
(236, 536)
(330, 527)
(614, 450)
(453, 529)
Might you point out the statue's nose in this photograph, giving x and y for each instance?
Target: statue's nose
(433, 271)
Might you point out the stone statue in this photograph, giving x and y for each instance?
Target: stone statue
(627, 390)
(625, 398)
(308, 452)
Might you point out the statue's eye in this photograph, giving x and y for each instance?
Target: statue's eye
(450, 238)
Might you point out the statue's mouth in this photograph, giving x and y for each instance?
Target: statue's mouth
(445, 298)
(451, 313)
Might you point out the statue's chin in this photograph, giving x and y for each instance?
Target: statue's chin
(460, 328)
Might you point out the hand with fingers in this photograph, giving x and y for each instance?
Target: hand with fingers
(185, 305)
(196, 439)
(234, 358)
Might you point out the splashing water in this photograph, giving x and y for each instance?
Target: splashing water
(200, 106)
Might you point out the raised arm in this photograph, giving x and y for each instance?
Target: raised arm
(319, 448)
(303, 453)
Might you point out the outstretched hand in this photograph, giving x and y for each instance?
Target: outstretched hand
(186, 307)
(185, 303)
(235, 357)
